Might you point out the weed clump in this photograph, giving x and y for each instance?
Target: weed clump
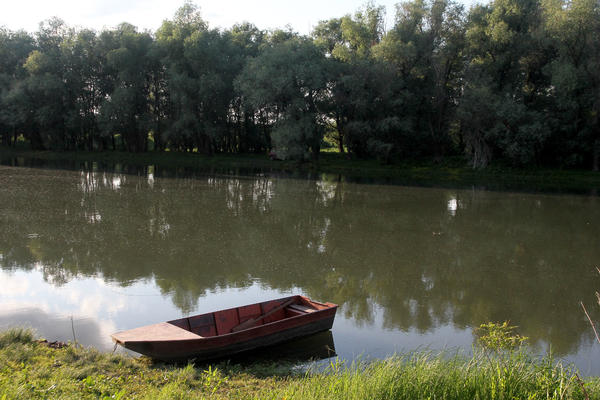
(16, 336)
(499, 336)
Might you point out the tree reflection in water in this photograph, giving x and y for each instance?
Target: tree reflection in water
(426, 257)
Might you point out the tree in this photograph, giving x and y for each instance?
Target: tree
(360, 93)
(126, 110)
(47, 91)
(574, 28)
(14, 50)
(83, 74)
(287, 82)
(426, 49)
(506, 56)
(186, 42)
(359, 34)
(250, 135)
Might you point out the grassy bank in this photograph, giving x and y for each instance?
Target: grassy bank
(452, 172)
(31, 369)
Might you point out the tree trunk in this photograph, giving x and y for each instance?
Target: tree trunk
(340, 129)
(596, 164)
(157, 138)
(37, 143)
(316, 151)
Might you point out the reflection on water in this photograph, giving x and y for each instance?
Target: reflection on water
(410, 267)
(80, 313)
(317, 347)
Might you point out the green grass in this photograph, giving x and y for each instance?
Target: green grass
(31, 370)
(435, 376)
(452, 172)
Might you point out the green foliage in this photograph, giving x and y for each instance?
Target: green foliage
(505, 99)
(33, 370)
(15, 336)
(287, 83)
(127, 110)
(442, 376)
(496, 336)
(511, 81)
(574, 34)
(294, 137)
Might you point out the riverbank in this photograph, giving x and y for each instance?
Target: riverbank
(32, 369)
(453, 172)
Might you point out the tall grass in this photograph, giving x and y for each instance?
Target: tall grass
(32, 370)
(513, 375)
(15, 335)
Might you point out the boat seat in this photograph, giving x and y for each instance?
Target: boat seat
(301, 308)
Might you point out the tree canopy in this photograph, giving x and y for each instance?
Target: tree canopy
(511, 81)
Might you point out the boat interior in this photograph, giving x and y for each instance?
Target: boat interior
(245, 317)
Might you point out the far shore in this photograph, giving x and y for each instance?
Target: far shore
(451, 172)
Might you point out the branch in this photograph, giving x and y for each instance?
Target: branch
(582, 384)
(598, 294)
(591, 322)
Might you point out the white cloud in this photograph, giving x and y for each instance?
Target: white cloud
(149, 14)
(13, 285)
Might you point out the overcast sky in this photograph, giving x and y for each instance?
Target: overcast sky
(148, 14)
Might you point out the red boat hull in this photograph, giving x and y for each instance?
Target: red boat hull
(180, 339)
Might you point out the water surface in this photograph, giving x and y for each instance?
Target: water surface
(87, 252)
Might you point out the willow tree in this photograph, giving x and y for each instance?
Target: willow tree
(361, 88)
(288, 83)
(502, 112)
(248, 132)
(15, 47)
(183, 124)
(426, 50)
(46, 89)
(574, 29)
(126, 109)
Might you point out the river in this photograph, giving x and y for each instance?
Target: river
(86, 252)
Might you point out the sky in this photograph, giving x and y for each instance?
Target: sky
(302, 16)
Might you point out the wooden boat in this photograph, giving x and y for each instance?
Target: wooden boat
(226, 332)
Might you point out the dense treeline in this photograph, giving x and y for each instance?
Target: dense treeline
(516, 81)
